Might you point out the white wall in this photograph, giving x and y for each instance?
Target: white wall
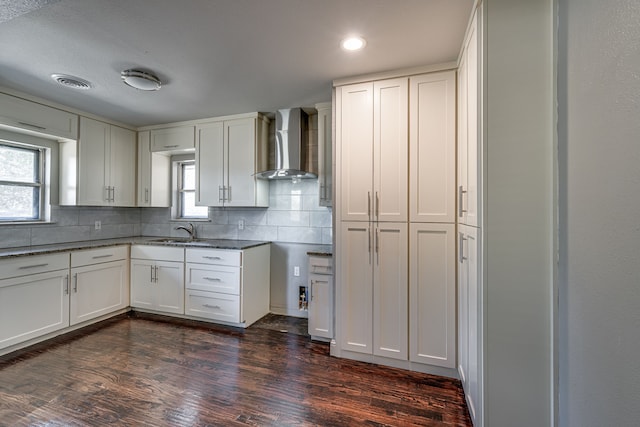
(599, 139)
(519, 212)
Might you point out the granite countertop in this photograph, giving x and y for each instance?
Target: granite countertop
(321, 250)
(161, 241)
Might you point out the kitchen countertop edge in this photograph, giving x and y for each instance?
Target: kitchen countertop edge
(93, 244)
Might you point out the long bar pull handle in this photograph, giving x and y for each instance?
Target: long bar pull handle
(171, 146)
(146, 194)
(156, 273)
(211, 257)
(107, 192)
(113, 194)
(228, 199)
(102, 256)
(66, 284)
(369, 243)
(215, 307)
(212, 279)
(220, 193)
(75, 283)
(369, 203)
(461, 193)
(32, 125)
(377, 246)
(25, 267)
(462, 240)
(377, 206)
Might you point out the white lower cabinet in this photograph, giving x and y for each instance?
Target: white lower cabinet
(432, 294)
(469, 318)
(375, 289)
(33, 305)
(100, 282)
(320, 297)
(230, 286)
(157, 278)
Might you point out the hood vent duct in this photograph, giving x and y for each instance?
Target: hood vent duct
(291, 160)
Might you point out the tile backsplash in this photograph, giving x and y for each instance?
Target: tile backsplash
(293, 216)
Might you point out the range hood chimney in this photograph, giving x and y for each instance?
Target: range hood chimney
(291, 146)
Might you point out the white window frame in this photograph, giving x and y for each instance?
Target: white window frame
(41, 182)
(178, 163)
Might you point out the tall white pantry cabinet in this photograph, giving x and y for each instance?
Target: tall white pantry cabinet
(469, 200)
(395, 213)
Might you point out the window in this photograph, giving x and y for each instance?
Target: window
(186, 191)
(22, 190)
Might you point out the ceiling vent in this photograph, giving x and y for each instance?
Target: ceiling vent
(71, 81)
(141, 80)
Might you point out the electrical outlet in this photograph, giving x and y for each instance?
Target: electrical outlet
(98, 225)
(241, 224)
(296, 271)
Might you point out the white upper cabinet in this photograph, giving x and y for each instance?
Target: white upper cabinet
(325, 150)
(469, 132)
(105, 158)
(372, 121)
(432, 151)
(30, 117)
(154, 175)
(228, 155)
(177, 138)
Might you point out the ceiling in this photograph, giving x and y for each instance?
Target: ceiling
(215, 57)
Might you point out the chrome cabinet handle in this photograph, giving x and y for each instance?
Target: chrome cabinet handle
(462, 240)
(212, 279)
(75, 283)
(171, 146)
(369, 203)
(210, 257)
(25, 267)
(102, 256)
(220, 193)
(32, 125)
(377, 205)
(155, 268)
(461, 192)
(228, 198)
(113, 194)
(217, 307)
(66, 284)
(146, 194)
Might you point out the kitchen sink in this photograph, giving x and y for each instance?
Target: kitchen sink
(187, 242)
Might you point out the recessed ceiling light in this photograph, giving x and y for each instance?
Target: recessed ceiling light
(353, 43)
(141, 80)
(72, 82)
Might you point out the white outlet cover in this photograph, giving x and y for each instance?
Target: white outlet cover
(296, 271)
(98, 225)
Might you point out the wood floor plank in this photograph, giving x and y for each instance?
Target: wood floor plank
(149, 371)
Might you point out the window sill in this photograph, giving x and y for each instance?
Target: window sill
(14, 223)
(189, 220)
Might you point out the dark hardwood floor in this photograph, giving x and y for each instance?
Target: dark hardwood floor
(141, 371)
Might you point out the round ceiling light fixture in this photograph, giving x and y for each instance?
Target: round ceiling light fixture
(141, 80)
(353, 43)
(72, 82)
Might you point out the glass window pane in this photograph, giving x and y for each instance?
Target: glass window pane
(18, 164)
(189, 208)
(189, 176)
(18, 202)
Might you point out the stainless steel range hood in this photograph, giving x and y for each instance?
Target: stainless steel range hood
(291, 160)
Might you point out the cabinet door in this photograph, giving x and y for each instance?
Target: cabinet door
(432, 294)
(432, 143)
(169, 287)
(354, 135)
(463, 310)
(469, 262)
(321, 306)
(32, 306)
(391, 139)
(122, 166)
(142, 284)
(98, 289)
(462, 139)
(144, 169)
(325, 157)
(240, 169)
(470, 201)
(391, 291)
(356, 277)
(209, 161)
(37, 118)
(173, 139)
(93, 166)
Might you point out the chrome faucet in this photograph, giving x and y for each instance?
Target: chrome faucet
(191, 230)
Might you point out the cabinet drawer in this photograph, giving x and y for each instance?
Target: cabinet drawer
(215, 256)
(22, 114)
(98, 255)
(32, 264)
(213, 305)
(320, 265)
(173, 139)
(221, 279)
(160, 253)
